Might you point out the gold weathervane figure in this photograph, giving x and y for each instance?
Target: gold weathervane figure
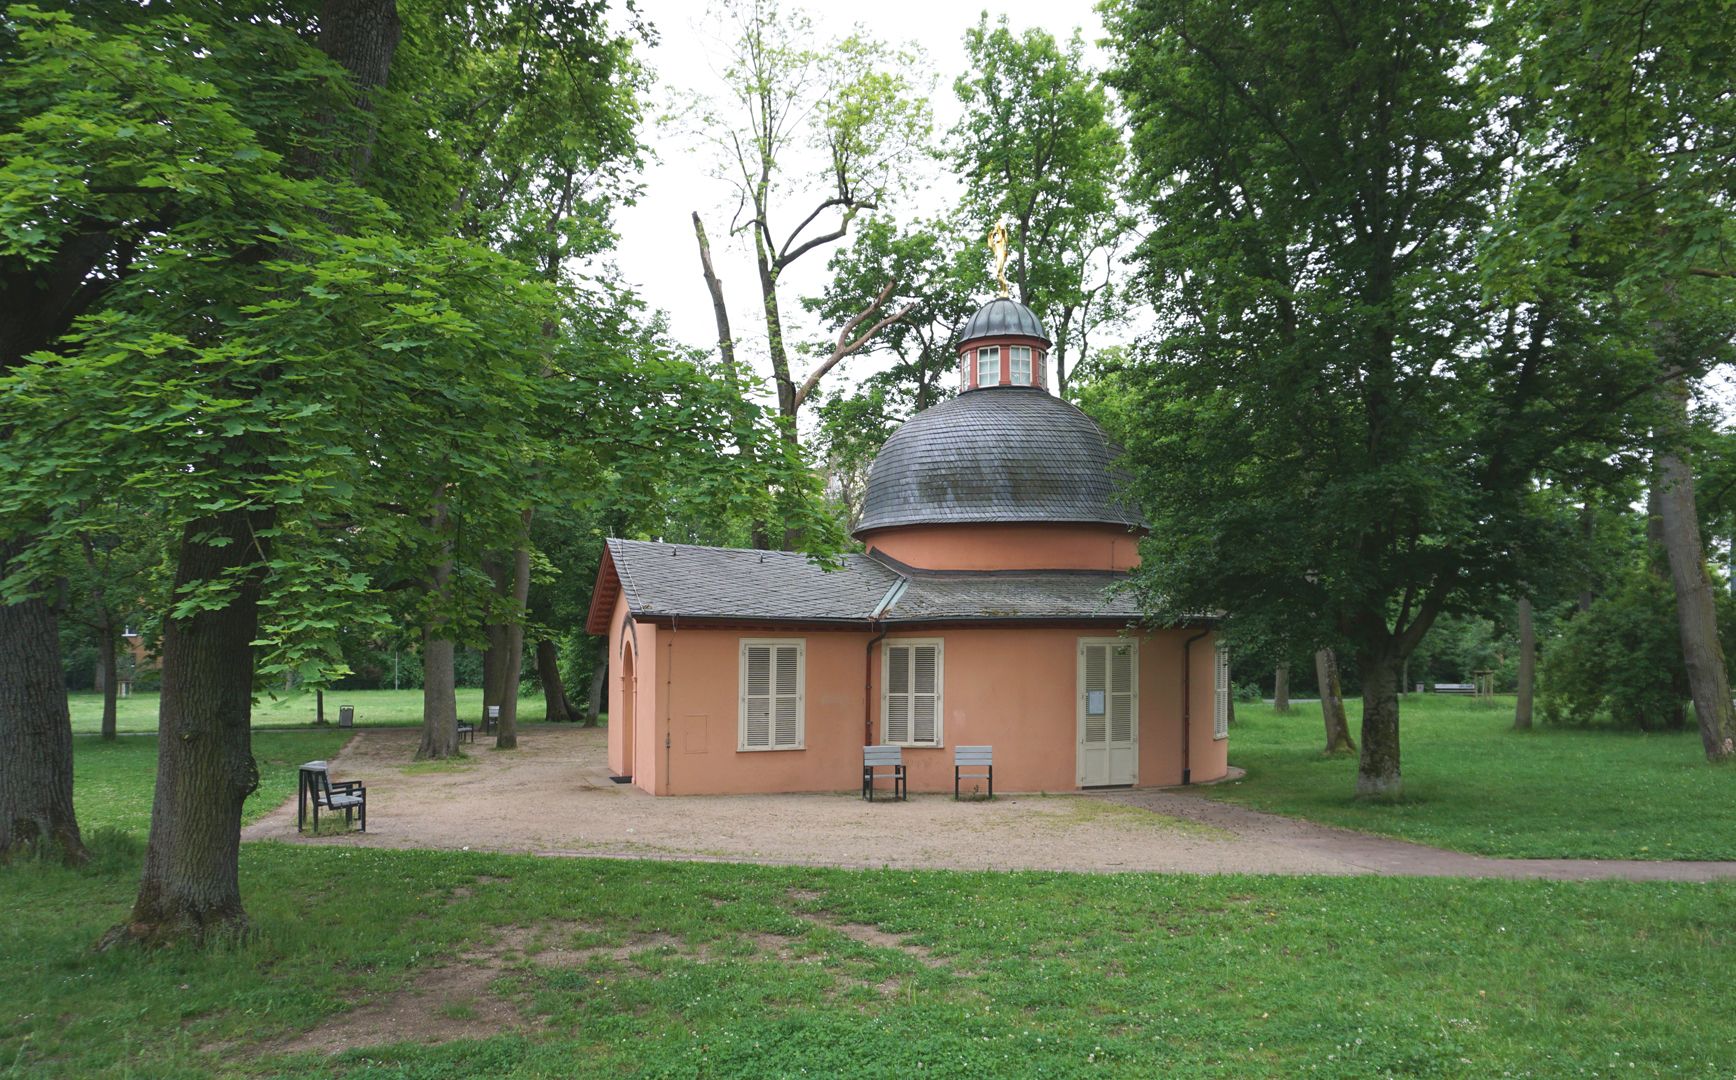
(998, 245)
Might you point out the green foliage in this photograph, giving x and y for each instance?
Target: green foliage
(1621, 661)
(1038, 145)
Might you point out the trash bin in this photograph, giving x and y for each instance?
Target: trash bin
(346, 716)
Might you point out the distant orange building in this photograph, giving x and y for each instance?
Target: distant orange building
(985, 611)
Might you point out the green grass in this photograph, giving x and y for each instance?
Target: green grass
(112, 782)
(749, 975)
(1474, 784)
(374, 708)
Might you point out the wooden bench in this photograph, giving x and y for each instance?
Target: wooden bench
(1455, 688)
(315, 785)
(467, 733)
(883, 757)
(973, 757)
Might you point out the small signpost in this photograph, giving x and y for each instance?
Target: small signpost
(492, 720)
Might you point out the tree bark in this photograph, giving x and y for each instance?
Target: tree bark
(599, 682)
(1281, 689)
(556, 707)
(362, 36)
(1527, 665)
(319, 708)
(190, 887)
(1338, 738)
(109, 674)
(1377, 771)
(513, 662)
(36, 813)
(1696, 615)
(439, 692)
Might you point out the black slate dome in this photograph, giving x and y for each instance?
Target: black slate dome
(1003, 317)
(1004, 454)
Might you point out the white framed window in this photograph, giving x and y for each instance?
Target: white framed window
(989, 366)
(1042, 369)
(911, 684)
(1221, 693)
(773, 693)
(1019, 359)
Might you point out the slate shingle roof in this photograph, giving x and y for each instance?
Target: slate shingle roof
(682, 581)
(998, 454)
(1003, 317)
(709, 582)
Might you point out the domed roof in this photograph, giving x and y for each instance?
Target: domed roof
(1001, 454)
(1003, 317)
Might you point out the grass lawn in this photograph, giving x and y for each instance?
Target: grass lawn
(374, 708)
(733, 971)
(112, 782)
(1474, 784)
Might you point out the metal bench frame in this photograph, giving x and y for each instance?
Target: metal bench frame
(467, 733)
(973, 757)
(346, 795)
(883, 757)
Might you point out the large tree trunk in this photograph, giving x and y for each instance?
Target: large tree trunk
(36, 811)
(108, 674)
(556, 707)
(1377, 771)
(599, 682)
(1338, 738)
(513, 662)
(190, 887)
(439, 693)
(1696, 616)
(1281, 689)
(1527, 665)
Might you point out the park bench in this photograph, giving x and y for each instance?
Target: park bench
(973, 757)
(316, 787)
(466, 732)
(1455, 688)
(883, 757)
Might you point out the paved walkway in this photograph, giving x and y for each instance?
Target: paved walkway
(554, 797)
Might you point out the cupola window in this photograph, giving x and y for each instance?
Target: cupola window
(989, 366)
(1019, 358)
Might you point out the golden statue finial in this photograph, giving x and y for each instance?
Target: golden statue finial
(998, 245)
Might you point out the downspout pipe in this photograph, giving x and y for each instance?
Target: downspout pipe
(1187, 708)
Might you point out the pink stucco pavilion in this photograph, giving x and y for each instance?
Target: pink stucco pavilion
(984, 610)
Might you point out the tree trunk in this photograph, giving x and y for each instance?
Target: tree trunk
(439, 693)
(513, 662)
(1527, 665)
(190, 887)
(1338, 738)
(556, 707)
(109, 674)
(1696, 616)
(1377, 771)
(599, 682)
(490, 673)
(1281, 689)
(36, 811)
(319, 708)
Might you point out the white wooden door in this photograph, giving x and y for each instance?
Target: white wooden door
(1108, 712)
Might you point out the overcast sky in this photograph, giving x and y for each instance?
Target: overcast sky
(658, 254)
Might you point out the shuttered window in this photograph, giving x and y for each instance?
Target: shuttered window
(1221, 693)
(773, 684)
(910, 693)
(1019, 359)
(989, 366)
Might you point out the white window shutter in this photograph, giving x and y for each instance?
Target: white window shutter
(898, 694)
(787, 712)
(1121, 702)
(924, 693)
(1096, 682)
(1221, 694)
(757, 696)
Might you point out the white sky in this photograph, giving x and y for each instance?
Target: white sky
(658, 254)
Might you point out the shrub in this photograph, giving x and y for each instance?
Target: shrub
(1622, 658)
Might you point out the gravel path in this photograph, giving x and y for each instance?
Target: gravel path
(554, 797)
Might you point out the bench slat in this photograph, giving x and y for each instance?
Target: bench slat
(882, 755)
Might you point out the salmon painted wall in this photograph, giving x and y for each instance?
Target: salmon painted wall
(1010, 547)
(633, 674)
(1015, 689)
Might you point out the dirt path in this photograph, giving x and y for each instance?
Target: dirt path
(554, 797)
